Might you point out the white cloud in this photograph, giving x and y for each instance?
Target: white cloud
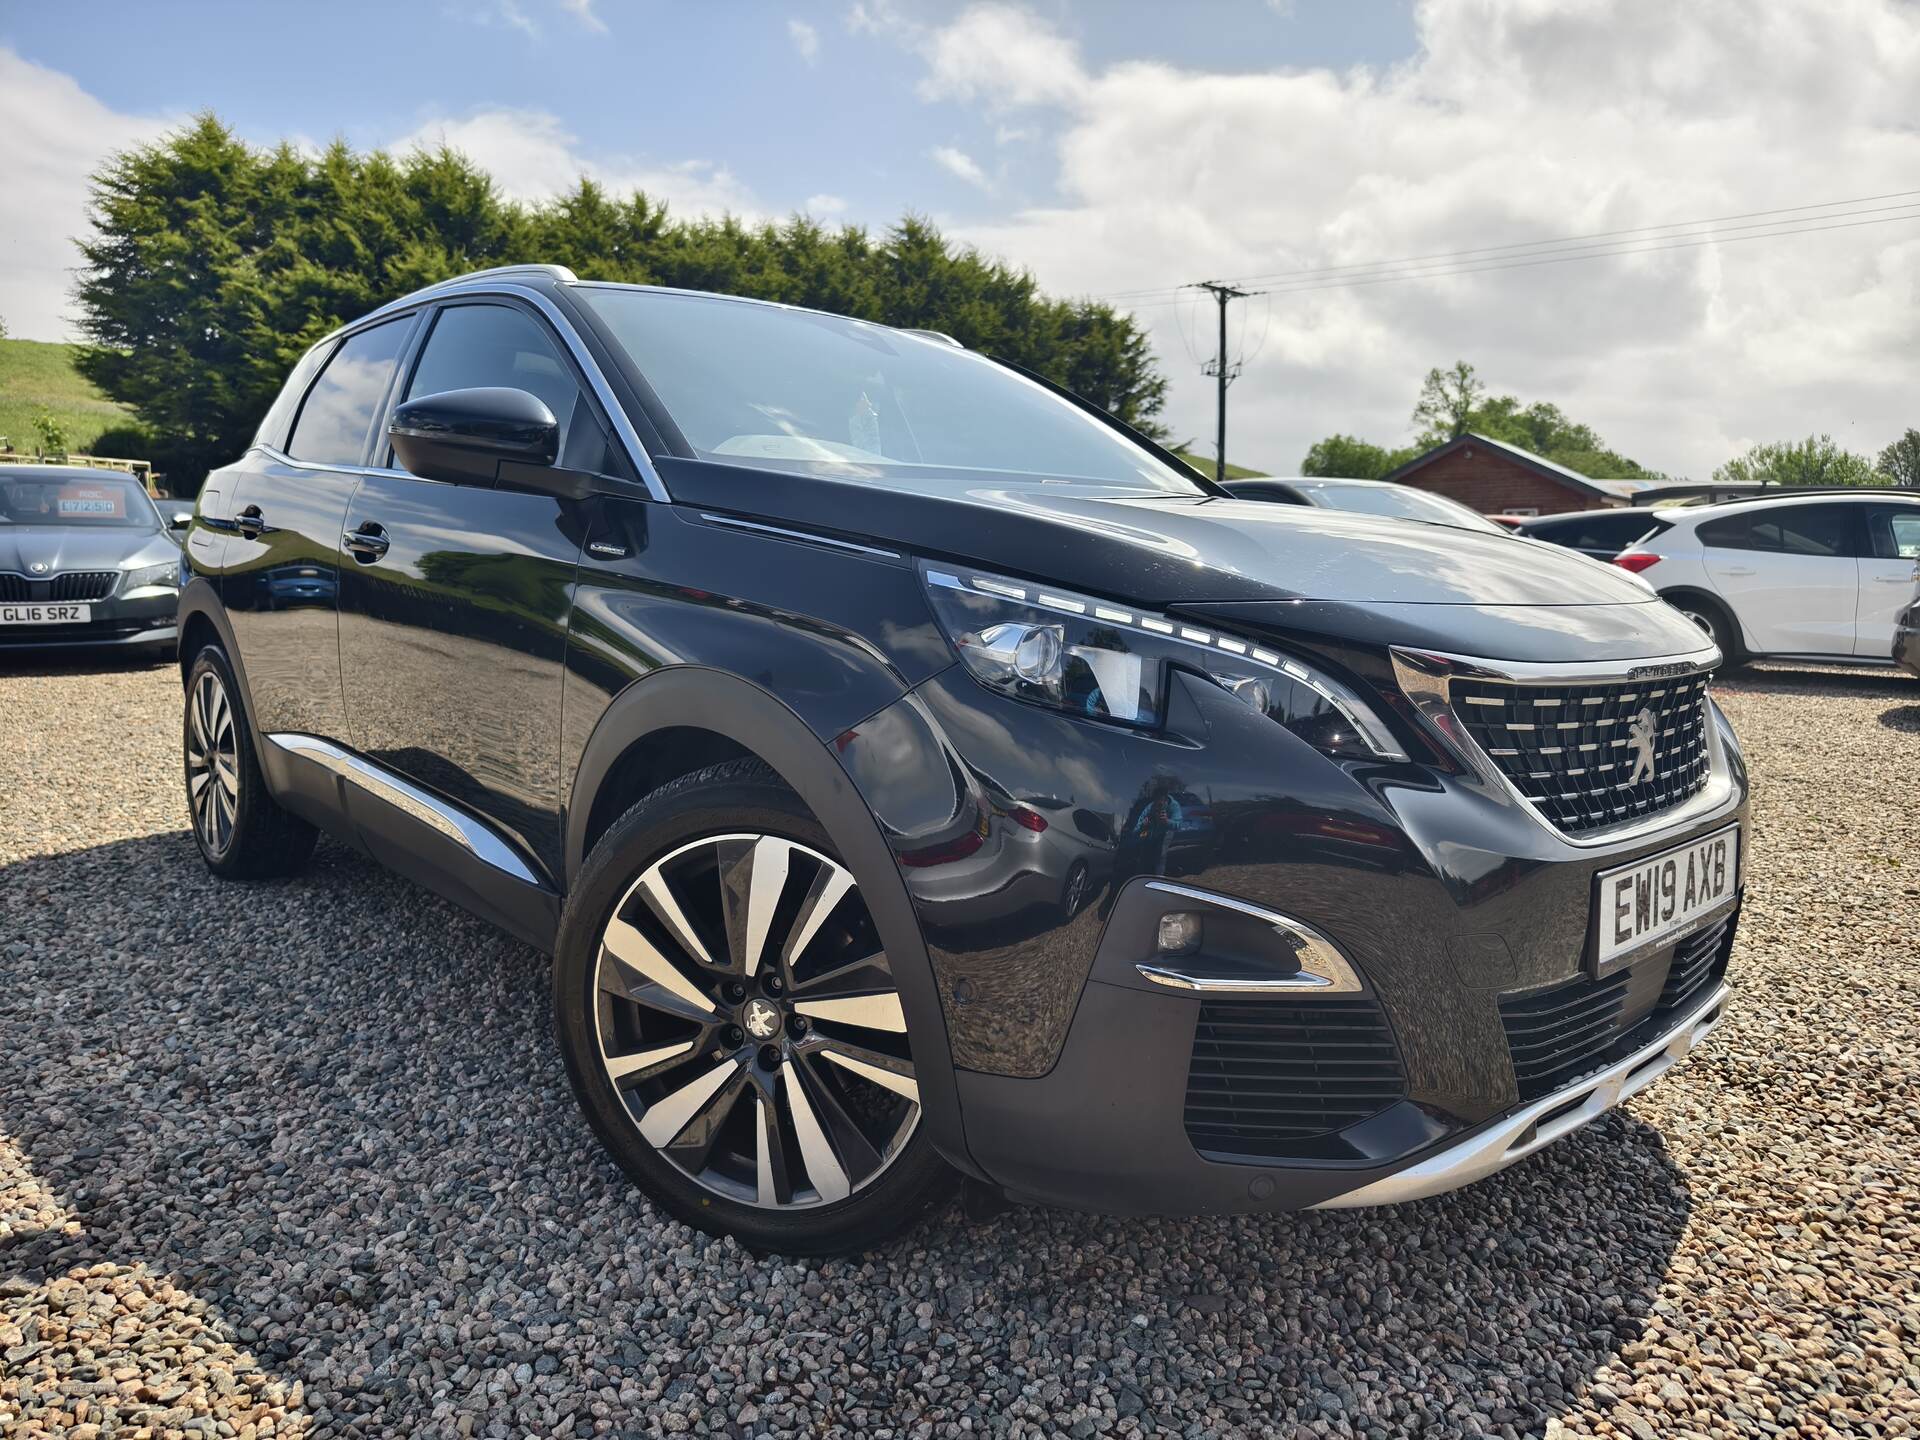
(57, 135)
(960, 165)
(806, 40)
(533, 156)
(1511, 122)
(582, 11)
(825, 205)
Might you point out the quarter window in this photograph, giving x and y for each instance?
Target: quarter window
(333, 424)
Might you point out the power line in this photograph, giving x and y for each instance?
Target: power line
(1447, 261)
(1516, 263)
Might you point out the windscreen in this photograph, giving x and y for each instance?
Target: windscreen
(770, 387)
(1404, 503)
(93, 502)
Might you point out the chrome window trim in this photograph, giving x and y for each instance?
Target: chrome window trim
(478, 285)
(473, 835)
(1324, 968)
(1425, 677)
(807, 536)
(1537, 1125)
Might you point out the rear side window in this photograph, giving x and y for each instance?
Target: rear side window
(1896, 533)
(339, 409)
(279, 419)
(1815, 530)
(474, 346)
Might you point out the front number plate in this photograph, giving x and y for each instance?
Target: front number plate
(1663, 896)
(45, 614)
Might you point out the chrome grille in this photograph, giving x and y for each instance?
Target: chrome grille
(1569, 749)
(1267, 1075)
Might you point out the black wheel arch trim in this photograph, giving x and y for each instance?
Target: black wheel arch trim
(693, 697)
(199, 600)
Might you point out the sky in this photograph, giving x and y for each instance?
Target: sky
(1125, 148)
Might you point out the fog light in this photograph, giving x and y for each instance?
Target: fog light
(1179, 932)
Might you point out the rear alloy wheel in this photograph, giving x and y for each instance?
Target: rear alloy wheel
(242, 832)
(743, 1048)
(213, 764)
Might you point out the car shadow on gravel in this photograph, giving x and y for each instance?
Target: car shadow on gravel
(1779, 678)
(330, 1108)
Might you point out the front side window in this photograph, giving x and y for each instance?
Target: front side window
(769, 387)
(482, 346)
(339, 409)
(87, 501)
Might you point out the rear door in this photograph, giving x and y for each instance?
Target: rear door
(455, 598)
(1791, 574)
(1889, 574)
(283, 516)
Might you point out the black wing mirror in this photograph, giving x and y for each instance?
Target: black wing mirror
(464, 436)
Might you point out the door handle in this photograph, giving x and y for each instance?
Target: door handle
(1897, 579)
(1738, 570)
(368, 543)
(250, 522)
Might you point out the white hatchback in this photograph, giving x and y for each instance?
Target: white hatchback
(1802, 576)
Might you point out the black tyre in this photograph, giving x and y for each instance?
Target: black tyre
(731, 1025)
(242, 832)
(1714, 622)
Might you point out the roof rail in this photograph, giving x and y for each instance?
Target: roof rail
(559, 273)
(939, 335)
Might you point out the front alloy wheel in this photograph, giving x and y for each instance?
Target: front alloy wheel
(748, 1020)
(732, 1025)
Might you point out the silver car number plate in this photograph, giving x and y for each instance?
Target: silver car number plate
(45, 614)
(1662, 897)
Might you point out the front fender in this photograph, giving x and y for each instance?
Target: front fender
(698, 698)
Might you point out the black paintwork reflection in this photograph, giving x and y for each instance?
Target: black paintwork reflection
(286, 632)
(452, 645)
(832, 634)
(1443, 895)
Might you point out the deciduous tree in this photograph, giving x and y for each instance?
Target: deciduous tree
(1816, 460)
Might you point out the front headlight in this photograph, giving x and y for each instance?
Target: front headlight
(166, 574)
(1112, 662)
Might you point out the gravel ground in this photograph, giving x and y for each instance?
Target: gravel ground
(301, 1160)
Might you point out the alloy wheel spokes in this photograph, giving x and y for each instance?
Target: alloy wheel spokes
(213, 773)
(746, 1018)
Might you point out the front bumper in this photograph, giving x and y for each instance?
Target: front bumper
(141, 620)
(1906, 642)
(1074, 1072)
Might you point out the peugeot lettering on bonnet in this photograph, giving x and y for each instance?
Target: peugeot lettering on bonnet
(915, 773)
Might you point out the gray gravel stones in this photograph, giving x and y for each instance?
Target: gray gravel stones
(301, 1156)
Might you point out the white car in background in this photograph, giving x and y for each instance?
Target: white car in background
(1819, 577)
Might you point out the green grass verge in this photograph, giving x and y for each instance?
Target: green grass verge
(38, 375)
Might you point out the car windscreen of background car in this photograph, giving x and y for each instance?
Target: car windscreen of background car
(765, 386)
(1404, 504)
(93, 503)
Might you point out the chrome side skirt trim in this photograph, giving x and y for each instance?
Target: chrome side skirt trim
(1324, 969)
(474, 836)
(1535, 1126)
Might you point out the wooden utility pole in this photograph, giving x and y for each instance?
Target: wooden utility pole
(1221, 369)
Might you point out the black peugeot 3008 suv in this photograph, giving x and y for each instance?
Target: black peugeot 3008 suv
(914, 772)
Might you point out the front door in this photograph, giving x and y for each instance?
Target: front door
(1791, 574)
(454, 598)
(1889, 575)
(283, 516)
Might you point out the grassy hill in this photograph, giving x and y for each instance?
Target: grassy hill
(1204, 464)
(36, 375)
